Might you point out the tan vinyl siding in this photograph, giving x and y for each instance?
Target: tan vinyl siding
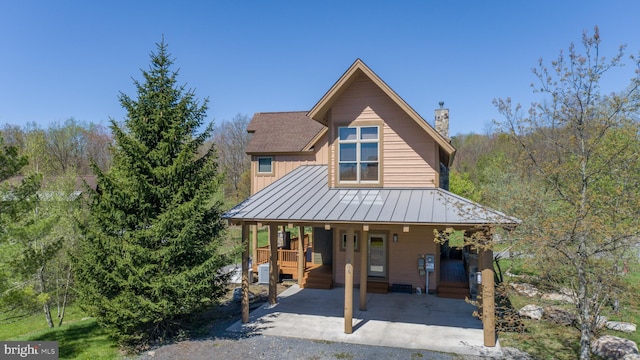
(409, 155)
(402, 257)
(284, 164)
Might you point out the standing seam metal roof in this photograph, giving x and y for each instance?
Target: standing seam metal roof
(303, 195)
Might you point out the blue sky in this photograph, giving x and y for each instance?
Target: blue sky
(62, 59)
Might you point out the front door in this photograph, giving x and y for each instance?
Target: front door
(377, 255)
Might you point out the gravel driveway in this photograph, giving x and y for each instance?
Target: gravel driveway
(272, 347)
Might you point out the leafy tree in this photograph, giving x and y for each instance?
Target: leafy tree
(40, 242)
(62, 148)
(581, 150)
(151, 253)
(470, 147)
(37, 232)
(65, 146)
(10, 161)
(98, 140)
(461, 184)
(232, 138)
(17, 198)
(36, 150)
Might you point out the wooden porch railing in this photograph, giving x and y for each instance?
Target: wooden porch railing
(287, 259)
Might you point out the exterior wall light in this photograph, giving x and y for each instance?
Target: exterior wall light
(395, 238)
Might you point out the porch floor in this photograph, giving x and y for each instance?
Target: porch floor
(395, 319)
(453, 279)
(452, 271)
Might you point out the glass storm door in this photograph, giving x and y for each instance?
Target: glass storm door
(377, 255)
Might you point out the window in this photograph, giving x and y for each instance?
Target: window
(343, 244)
(358, 154)
(265, 165)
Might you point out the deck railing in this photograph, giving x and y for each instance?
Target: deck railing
(286, 258)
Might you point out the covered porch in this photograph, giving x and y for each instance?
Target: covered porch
(395, 225)
(415, 322)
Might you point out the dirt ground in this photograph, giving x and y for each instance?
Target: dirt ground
(220, 317)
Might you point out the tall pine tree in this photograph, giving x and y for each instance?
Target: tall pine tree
(151, 250)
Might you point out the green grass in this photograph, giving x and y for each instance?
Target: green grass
(517, 266)
(78, 337)
(629, 304)
(544, 340)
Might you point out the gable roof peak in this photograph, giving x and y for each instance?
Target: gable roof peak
(321, 108)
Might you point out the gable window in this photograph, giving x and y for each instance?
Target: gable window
(358, 154)
(265, 165)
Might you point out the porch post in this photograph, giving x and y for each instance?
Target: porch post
(273, 264)
(348, 284)
(245, 274)
(364, 252)
(300, 254)
(488, 297)
(254, 245)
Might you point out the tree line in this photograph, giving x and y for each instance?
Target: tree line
(69, 148)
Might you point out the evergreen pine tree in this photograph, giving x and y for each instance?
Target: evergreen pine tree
(151, 253)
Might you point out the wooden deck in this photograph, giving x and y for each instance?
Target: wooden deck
(453, 279)
(315, 276)
(287, 261)
(287, 258)
(452, 271)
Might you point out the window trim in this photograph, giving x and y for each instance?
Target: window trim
(356, 241)
(358, 141)
(258, 165)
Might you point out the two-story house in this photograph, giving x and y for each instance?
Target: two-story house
(361, 165)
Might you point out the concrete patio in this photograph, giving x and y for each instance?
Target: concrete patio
(396, 320)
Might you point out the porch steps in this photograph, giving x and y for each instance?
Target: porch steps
(453, 290)
(319, 277)
(377, 287)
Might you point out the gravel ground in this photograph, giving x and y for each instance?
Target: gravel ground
(221, 344)
(272, 347)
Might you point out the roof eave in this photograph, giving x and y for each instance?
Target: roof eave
(266, 153)
(312, 143)
(238, 220)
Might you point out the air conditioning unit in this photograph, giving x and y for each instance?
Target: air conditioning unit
(263, 273)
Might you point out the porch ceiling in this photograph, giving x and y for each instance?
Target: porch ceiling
(304, 196)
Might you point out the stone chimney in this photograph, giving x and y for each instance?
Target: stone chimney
(442, 121)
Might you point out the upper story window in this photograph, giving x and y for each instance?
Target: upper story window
(358, 154)
(265, 165)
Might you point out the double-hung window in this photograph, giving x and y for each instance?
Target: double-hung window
(358, 154)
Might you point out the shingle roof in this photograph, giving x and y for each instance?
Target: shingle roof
(282, 132)
(303, 196)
